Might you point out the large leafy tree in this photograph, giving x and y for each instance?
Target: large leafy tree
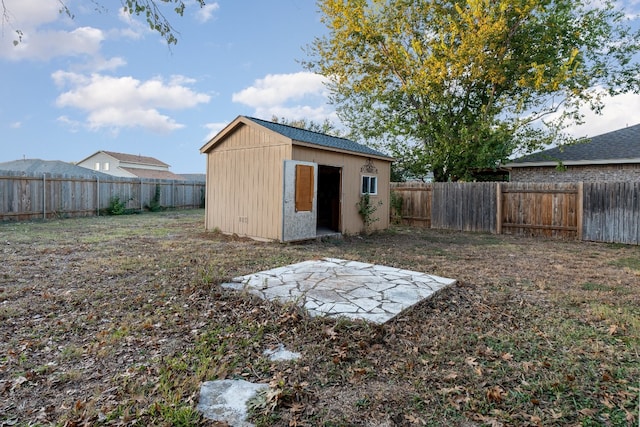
(453, 86)
(326, 127)
(152, 10)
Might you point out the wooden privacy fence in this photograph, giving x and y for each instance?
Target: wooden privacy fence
(611, 212)
(603, 212)
(25, 196)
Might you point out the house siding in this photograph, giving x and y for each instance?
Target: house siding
(586, 173)
(103, 158)
(244, 183)
(351, 178)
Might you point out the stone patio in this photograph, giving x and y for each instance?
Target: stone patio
(336, 287)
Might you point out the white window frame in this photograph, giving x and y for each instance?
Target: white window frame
(97, 166)
(106, 166)
(370, 183)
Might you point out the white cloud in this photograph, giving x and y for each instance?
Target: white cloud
(28, 14)
(15, 125)
(73, 125)
(617, 114)
(292, 96)
(46, 32)
(98, 63)
(277, 89)
(135, 29)
(117, 118)
(205, 13)
(125, 102)
(37, 43)
(213, 128)
(44, 45)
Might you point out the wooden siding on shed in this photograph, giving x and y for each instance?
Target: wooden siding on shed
(244, 183)
(351, 179)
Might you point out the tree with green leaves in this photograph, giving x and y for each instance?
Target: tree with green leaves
(326, 127)
(151, 10)
(454, 86)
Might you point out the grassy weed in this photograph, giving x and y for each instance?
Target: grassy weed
(119, 320)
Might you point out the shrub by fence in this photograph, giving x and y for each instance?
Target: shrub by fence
(25, 196)
(604, 212)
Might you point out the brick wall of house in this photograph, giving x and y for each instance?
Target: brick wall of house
(589, 173)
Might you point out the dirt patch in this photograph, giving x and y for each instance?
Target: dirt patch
(117, 320)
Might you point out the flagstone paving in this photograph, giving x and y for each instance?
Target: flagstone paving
(336, 287)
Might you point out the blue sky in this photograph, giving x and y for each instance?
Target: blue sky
(104, 81)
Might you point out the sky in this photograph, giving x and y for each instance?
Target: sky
(101, 80)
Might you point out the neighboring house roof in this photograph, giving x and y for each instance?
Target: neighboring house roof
(57, 167)
(153, 174)
(130, 158)
(298, 135)
(136, 158)
(619, 146)
(198, 177)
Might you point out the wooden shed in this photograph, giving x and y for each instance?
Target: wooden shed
(271, 181)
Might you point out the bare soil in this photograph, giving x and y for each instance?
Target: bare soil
(118, 320)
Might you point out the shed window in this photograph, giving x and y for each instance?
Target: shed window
(304, 188)
(369, 184)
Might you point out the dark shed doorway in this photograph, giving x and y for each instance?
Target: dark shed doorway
(329, 190)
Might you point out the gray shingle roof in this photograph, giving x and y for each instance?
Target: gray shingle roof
(56, 167)
(136, 158)
(622, 144)
(153, 174)
(320, 139)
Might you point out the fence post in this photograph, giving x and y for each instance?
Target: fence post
(579, 210)
(97, 195)
(44, 195)
(498, 208)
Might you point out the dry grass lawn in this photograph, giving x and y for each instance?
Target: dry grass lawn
(117, 321)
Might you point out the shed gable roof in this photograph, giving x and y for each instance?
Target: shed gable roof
(297, 135)
(619, 146)
(316, 138)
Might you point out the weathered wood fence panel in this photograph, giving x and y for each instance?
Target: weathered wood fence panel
(415, 206)
(603, 212)
(26, 196)
(612, 212)
(539, 209)
(464, 206)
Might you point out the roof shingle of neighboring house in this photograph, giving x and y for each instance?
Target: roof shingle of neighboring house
(56, 167)
(316, 138)
(619, 146)
(132, 158)
(154, 174)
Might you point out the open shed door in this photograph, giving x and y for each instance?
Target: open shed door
(300, 206)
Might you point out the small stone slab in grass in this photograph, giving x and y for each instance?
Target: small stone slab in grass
(280, 354)
(226, 400)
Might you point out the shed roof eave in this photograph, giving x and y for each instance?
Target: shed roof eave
(338, 150)
(572, 163)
